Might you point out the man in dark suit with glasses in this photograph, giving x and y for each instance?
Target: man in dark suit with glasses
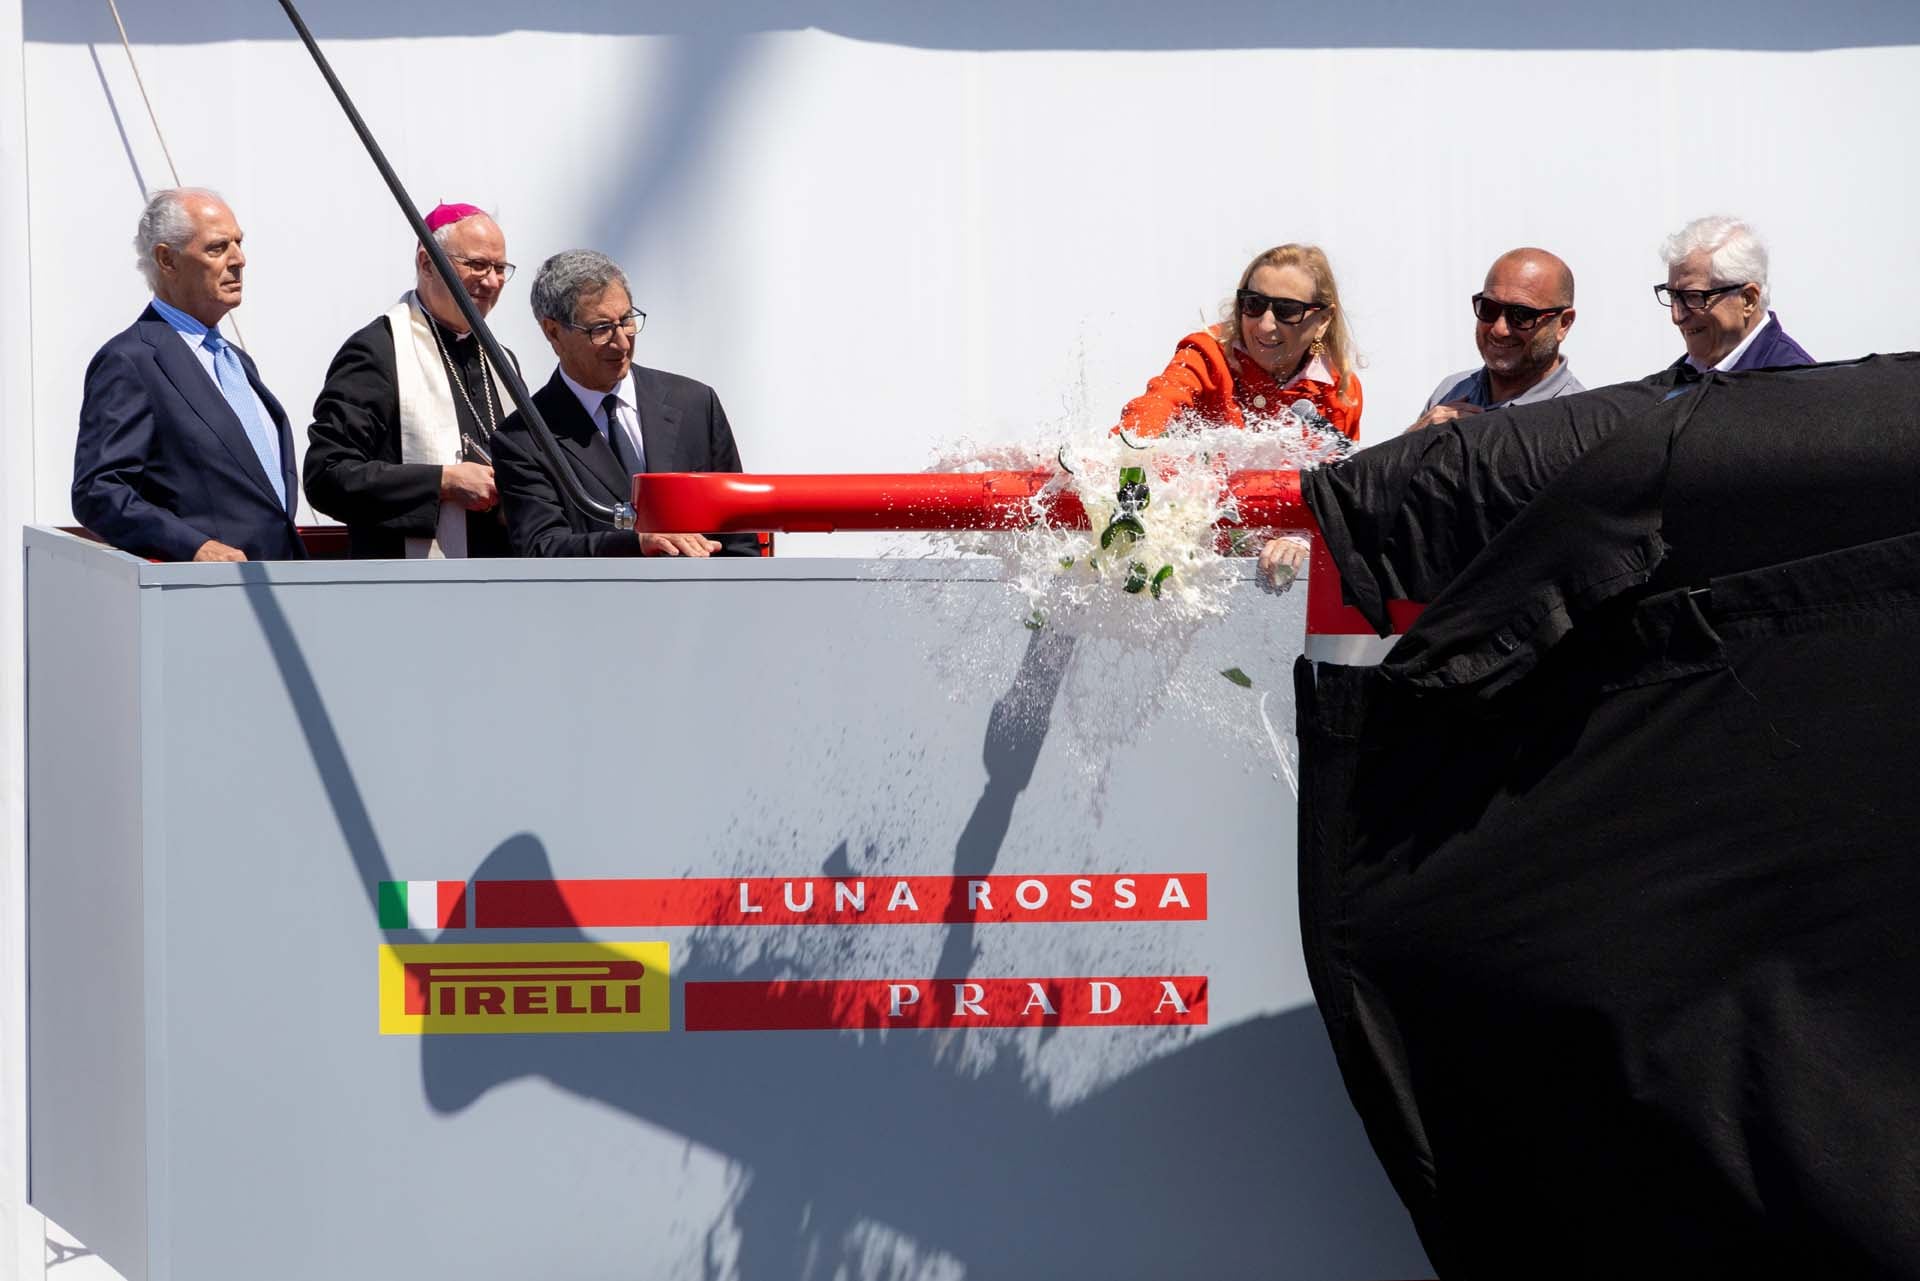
(613, 420)
(1521, 316)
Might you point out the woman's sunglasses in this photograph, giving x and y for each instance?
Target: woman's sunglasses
(1288, 311)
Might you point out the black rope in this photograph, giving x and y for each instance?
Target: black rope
(568, 484)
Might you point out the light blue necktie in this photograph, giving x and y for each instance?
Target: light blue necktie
(227, 371)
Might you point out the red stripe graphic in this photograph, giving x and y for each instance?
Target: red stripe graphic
(848, 900)
(451, 904)
(790, 1006)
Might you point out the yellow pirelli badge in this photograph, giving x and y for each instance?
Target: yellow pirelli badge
(428, 989)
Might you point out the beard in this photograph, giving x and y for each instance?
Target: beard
(1531, 360)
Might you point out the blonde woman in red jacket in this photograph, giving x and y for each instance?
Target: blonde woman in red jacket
(1283, 339)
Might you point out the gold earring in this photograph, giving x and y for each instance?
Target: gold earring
(1318, 347)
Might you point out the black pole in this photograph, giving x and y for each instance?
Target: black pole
(621, 517)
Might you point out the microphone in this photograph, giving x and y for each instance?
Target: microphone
(1309, 415)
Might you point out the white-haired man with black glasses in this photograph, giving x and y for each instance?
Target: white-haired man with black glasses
(613, 419)
(1716, 295)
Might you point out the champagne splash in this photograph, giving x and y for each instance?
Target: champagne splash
(1152, 564)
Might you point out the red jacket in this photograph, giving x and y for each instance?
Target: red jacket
(1223, 386)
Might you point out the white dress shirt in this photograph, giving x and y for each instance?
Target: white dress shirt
(1728, 361)
(627, 415)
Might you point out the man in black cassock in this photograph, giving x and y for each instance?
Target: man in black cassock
(400, 446)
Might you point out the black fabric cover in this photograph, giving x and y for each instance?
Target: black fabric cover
(1409, 514)
(1607, 875)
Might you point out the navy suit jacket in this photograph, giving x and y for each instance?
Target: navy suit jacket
(162, 464)
(682, 427)
(1772, 349)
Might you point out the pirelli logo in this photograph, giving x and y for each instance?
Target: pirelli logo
(431, 989)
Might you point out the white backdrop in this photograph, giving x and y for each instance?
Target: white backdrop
(875, 227)
(870, 249)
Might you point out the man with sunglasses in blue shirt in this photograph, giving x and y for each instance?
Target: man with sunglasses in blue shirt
(1521, 316)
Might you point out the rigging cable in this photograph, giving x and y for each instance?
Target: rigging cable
(140, 82)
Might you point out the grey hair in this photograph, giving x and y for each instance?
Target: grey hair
(1737, 255)
(563, 278)
(165, 221)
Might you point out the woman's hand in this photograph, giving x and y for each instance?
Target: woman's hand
(1281, 559)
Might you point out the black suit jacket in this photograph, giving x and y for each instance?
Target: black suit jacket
(353, 470)
(162, 465)
(682, 427)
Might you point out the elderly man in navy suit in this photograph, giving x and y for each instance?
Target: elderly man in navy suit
(1716, 295)
(183, 453)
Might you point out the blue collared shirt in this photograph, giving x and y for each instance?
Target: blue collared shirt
(194, 335)
(1474, 387)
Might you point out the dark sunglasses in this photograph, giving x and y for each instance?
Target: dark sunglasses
(1519, 319)
(1288, 311)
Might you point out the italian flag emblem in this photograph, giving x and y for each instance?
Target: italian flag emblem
(423, 905)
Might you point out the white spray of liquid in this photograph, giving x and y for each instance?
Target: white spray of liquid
(1134, 607)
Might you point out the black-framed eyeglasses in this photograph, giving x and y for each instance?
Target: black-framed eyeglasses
(485, 266)
(1693, 299)
(602, 334)
(1288, 311)
(1519, 319)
